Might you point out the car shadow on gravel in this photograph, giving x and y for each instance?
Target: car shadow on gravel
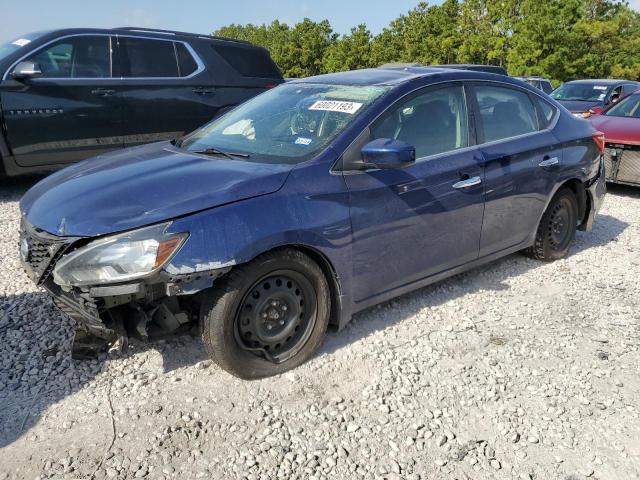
(36, 368)
(606, 229)
(623, 190)
(13, 188)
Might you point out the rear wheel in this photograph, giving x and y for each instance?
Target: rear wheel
(267, 316)
(557, 228)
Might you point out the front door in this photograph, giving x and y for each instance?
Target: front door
(69, 113)
(418, 221)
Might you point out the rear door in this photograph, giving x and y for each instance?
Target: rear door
(166, 89)
(414, 222)
(69, 113)
(521, 159)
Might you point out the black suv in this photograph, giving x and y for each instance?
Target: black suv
(66, 95)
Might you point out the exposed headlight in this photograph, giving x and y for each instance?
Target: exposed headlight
(119, 258)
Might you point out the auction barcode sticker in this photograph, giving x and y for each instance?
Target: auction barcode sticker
(336, 106)
(21, 42)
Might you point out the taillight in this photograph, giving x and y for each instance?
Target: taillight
(598, 138)
(270, 85)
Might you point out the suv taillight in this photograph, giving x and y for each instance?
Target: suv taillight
(598, 138)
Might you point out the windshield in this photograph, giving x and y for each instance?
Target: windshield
(8, 48)
(627, 107)
(288, 124)
(586, 92)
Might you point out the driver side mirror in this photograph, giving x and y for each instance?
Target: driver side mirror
(26, 70)
(387, 153)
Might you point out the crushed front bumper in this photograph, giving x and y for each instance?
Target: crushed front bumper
(149, 308)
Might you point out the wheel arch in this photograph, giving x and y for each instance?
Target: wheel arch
(580, 191)
(338, 311)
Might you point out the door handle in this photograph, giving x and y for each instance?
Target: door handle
(202, 91)
(102, 92)
(549, 162)
(467, 183)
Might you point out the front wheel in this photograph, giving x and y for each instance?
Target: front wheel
(557, 228)
(267, 316)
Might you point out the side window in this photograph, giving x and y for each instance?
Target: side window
(547, 87)
(146, 58)
(75, 57)
(547, 113)
(248, 61)
(433, 122)
(505, 112)
(616, 94)
(186, 62)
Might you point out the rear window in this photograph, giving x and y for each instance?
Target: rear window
(186, 63)
(143, 58)
(248, 62)
(547, 113)
(505, 112)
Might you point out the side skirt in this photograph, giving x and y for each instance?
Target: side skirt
(385, 296)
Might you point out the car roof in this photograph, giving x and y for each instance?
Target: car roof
(144, 32)
(392, 76)
(605, 81)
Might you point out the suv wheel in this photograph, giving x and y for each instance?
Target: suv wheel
(267, 316)
(557, 228)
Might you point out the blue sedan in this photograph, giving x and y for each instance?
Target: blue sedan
(307, 204)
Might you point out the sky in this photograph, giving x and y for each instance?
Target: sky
(198, 16)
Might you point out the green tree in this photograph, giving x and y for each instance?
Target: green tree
(350, 52)
(298, 51)
(559, 39)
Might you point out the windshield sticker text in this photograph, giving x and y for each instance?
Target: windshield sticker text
(303, 141)
(21, 42)
(336, 106)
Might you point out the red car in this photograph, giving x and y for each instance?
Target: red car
(620, 124)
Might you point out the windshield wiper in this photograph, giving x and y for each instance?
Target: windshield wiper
(216, 151)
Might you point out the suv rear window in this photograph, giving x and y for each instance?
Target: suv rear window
(186, 63)
(249, 62)
(148, 58)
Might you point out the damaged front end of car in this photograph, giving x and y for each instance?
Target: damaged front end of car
(118, 286)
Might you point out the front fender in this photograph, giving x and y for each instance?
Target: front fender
(311, 210)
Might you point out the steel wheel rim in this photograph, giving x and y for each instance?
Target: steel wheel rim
(560, 225)
(276, 316)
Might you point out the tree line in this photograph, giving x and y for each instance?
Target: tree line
(558, 39)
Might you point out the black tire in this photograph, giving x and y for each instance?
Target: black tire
(557, 228)
(291, 312)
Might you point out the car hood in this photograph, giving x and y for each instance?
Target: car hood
(618, 129)
(141, 186)
(579, 106)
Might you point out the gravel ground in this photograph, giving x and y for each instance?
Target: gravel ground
(515, 370)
